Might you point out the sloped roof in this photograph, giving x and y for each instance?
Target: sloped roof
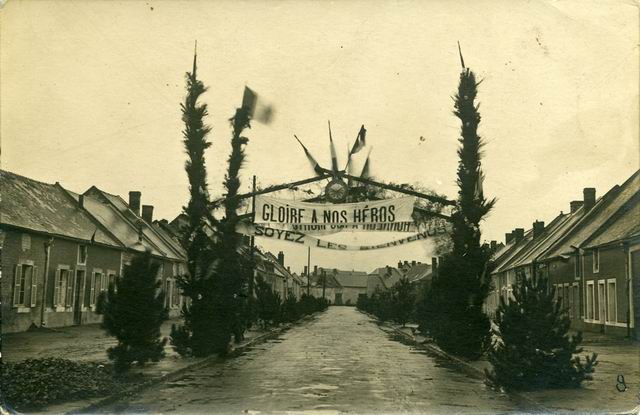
(386, 272)
(347, 278)
(530, 251)
(42, 207)
(590, 222)
(514, 249)
(625, 224)
(418, 272)
(112, 220)
(148, 230)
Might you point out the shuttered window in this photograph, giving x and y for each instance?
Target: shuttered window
(25, 285)
(63, 288)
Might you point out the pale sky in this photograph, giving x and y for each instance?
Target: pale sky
(90, 94)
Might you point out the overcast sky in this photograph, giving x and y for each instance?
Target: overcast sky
(90, 95)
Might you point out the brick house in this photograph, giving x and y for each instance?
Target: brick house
(53, 254)
(589, 255)
(62, 249)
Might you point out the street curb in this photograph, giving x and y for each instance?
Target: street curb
(533, 406)
(195, 365)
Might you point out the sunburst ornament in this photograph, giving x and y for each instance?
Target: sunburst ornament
(337, 190)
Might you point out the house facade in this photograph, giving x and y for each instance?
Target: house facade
(589, 256)
(61, 250)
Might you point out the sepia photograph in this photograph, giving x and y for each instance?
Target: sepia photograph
(320, 207)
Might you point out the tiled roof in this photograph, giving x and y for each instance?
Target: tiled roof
(514, 249)
(418, 272)
(112, 220)
(42, 207)
(594, 219)
(625, 224)
(148, 230)
(530, 252)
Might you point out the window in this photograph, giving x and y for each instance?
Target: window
(559, 298)
(590, 301)
(576, 300)
(63, 288)
(612, 304)
(25, 285)
(567, 298)
(82, 254)
(96, 287)
(26, 242)
(601, 310)
(595, 257)
(111, 279)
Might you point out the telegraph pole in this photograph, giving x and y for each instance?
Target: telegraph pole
(308, 270)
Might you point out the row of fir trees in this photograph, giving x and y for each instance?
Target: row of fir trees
(529, 343)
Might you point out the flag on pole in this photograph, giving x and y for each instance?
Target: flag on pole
(257, 108)
(366, 170)
(314, 163)
(358, 145)
(334, 156)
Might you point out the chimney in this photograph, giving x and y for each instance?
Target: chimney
(81, 201)
(519, 234)
(413, 263)
(315, 270)
(508, 237)
(589, 194)
(306, 270)
(147, 213)
(434, 263)
(281, 258)
(493, 245)
(575, 205)
(406, 263)
(289, 270)
(134, 202)
(538, 228)
(399, 264)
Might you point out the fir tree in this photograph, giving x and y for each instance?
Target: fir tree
(533, 349)
(133, 313)
(452, 312)
(268, 302)
(403, 301)
(233, 269)
(197, 335)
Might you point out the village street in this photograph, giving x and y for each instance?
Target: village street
(339, 361)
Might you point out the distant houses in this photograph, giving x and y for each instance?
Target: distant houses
(62, 249)
(591, 255)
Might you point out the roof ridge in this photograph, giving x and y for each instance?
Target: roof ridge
(26, 178)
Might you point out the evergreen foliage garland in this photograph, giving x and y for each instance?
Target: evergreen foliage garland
(452, 310)
(200, 237)
(533, 349)
(133, 313)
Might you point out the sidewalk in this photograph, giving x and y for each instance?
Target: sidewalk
(616, 356)
(89, 343)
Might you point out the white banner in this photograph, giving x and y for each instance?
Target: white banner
(328, 229)
(271, 211)
(308, 240)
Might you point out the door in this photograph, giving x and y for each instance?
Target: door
(77, 302)
(338, 299)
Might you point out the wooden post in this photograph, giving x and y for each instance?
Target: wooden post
(253, 220)
(308, 270)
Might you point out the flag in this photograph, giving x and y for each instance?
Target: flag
(314, 163)
(257, 108)
(358, 145)
(334, 156)
(366, 170)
